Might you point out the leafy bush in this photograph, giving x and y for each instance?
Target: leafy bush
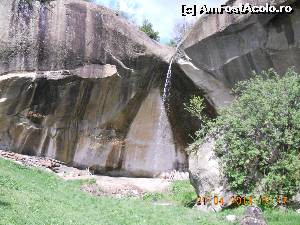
(147, 28)
(258, 136)
(195, 107)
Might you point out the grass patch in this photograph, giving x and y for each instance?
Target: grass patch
(34, 197)
(184, 193)
(181, 193)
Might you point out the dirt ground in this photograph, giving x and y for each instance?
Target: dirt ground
(101, 185)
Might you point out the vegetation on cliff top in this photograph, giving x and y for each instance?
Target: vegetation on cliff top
(147, 28)
(258, 136)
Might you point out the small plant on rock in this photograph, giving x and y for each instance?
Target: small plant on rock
(147, 28)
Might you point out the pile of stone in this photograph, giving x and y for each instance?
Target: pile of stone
(124, 192)
(45, 163)
(174, 175)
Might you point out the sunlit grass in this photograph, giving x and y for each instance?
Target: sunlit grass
(34, 197)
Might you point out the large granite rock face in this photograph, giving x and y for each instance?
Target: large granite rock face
(226, 48)
(68, 34)
(82, 85)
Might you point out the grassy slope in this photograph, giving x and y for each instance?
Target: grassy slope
(33, 197)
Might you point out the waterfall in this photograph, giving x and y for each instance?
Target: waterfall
(161, 133)
(167, 85)
(165, 106)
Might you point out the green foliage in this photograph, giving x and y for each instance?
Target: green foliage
(258, 136)
(147, 28)
(195, 107)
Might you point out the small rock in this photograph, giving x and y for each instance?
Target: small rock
(253, 216)
(231, 218)
(174, 175)
(298, 211)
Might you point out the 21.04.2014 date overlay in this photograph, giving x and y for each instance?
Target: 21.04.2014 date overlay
(241, 200)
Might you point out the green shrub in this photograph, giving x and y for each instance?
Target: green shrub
(147, 28)
(258, 136)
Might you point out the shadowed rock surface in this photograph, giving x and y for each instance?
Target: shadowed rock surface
(226, 48)
(80, 84)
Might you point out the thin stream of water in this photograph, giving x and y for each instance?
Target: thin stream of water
(161, 132)
(167, 85)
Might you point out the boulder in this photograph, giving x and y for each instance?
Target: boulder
(206, 177)
(204, 169)
(296, 201)
(253, 216)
